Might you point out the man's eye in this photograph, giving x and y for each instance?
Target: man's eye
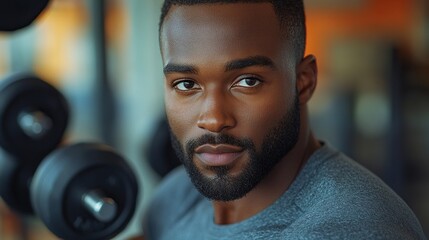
(186, 85)
(248, 82)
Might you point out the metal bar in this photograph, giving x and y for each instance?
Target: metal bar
(105, 102)
(395, 164)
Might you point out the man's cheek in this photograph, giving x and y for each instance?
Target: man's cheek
(178, 125)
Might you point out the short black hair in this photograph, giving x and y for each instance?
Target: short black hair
(290, 13)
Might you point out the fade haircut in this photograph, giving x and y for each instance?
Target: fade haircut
(290, 14)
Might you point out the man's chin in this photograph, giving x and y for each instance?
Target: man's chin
(219, 185)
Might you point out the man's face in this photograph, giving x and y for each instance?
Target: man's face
(230, 94)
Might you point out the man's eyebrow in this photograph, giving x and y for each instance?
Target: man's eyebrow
(179, 68)
(249, 62)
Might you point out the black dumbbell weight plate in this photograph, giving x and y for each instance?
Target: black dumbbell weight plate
(15, 179)
(67, 175)
(16, 14)
(25, 95)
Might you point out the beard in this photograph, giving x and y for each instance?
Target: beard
(277, 143)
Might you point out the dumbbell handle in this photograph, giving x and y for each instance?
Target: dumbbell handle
(102, 208)
(35, 124)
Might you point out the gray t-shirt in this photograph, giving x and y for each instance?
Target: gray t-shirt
(333, 197)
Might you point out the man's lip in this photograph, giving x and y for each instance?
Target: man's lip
(219, 154)
(218, 149)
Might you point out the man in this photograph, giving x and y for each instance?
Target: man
(237, 85)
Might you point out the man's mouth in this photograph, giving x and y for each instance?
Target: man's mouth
(218, 154)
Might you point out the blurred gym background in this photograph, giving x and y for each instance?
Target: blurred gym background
(372, 100)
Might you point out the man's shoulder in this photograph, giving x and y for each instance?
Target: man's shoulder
(337, 195)
(174, 197)
(331, 174)
(176, 179)
(178, 186)
(337, 182)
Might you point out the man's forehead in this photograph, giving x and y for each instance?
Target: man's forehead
(213, 34)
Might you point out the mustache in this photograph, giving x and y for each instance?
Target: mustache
(208, 138)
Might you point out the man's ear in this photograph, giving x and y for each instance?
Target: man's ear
(306, 79)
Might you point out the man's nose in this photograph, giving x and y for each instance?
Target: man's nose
(216, 114)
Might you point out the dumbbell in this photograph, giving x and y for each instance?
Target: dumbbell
(81, 191)
(33, 119)
(84, 191)
(33, 116)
